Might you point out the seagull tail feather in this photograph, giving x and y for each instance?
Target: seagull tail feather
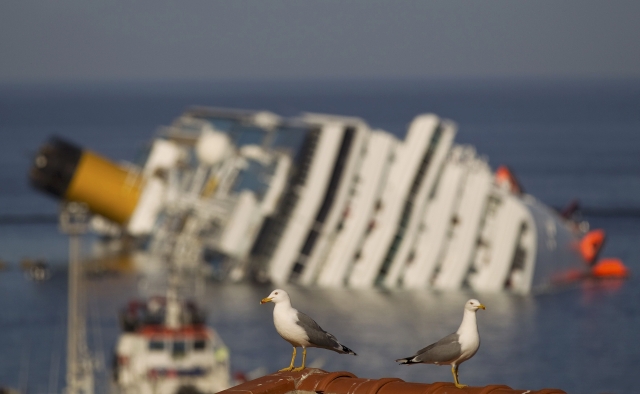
(407, 360)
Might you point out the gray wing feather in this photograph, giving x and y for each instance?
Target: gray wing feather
(318, 336)
(445, 350)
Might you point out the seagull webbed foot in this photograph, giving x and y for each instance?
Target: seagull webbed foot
(287, 369)
(458, 385)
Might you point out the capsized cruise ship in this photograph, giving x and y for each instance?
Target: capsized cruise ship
(324, 200)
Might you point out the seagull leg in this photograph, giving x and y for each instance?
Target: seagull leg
(304, 358)
(290, 367)
(454, 371)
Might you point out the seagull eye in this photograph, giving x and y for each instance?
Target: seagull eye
(276, 293)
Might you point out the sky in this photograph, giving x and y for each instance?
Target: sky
(79, 40)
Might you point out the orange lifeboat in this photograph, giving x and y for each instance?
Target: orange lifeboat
(591, 245)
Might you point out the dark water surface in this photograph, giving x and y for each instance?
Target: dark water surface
(564, 139)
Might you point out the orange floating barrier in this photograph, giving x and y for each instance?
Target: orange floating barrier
(568, 276)
(610, 268)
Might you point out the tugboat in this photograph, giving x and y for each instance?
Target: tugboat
(166, 347)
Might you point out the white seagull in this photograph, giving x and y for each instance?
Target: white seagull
(299, 329)
(455, 348)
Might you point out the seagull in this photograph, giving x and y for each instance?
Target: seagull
(299, 329)
(455, 348)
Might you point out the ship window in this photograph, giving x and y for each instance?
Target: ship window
(179, 348)
(199, 344)
(247, 135)
(289, 138)
(156, 345)
(327, 203)
(408, 205)
(221, 124)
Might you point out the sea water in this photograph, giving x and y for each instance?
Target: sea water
(563, 140)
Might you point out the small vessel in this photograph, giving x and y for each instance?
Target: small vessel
(166, 347)
(36, 270)
(322, 200)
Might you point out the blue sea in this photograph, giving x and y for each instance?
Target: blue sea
(564, 139)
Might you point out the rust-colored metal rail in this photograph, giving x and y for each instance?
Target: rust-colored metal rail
(313, 380)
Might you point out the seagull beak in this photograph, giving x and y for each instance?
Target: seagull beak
(265, 300)
(481, 307)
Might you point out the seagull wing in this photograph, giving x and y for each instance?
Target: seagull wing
(317, 336)
(444, 351)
